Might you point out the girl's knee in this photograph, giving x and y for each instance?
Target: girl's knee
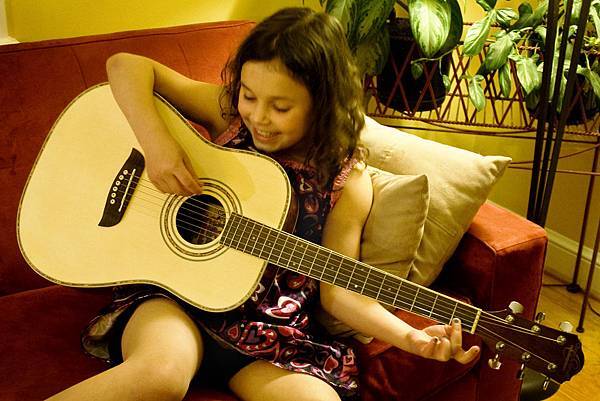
(159, 379)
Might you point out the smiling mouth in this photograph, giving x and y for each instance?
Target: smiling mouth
(265, 134)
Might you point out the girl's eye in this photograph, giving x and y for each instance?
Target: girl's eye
(247, 97)
(281, 109)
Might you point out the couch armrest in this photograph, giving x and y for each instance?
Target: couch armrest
(500, 259)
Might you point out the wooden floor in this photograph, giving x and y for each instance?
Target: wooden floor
(560, 305)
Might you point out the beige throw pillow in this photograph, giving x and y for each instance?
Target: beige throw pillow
(459, 183)
(392, 232)
(394, 227)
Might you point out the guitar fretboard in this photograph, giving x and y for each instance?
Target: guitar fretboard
(315, 261)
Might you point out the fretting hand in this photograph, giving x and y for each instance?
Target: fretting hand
(441, 342)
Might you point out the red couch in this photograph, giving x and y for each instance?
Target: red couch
(500, 259)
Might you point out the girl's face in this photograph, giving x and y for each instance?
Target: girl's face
(275, 107)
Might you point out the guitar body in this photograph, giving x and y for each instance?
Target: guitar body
(67, 233)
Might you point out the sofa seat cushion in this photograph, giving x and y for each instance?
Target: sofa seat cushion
(388, 373)
(40, 347)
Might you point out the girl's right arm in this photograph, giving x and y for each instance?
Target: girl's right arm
(132, 80)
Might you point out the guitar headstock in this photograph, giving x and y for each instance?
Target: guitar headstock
(557, 354)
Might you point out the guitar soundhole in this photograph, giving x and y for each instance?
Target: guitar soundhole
(200, 219)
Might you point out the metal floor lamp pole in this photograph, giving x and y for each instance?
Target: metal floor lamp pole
(548, 141)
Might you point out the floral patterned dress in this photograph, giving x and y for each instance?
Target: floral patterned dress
(275, 324)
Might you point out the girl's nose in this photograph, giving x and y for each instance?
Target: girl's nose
(260, 114)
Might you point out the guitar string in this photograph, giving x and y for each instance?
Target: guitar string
(414, 305)
(214, 208)
(484, 317)
(519, 329)
(404, 300)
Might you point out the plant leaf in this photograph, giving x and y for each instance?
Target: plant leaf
(504, 78)
(430, 24)
(346, 12)
(477, 34)
(538, 15)
(525, 13)
(487, 5)
(456, 27)
(527, 72)
(372, 15)
(446, 81)
(476, 92)
(416, 70)
(505, 16)
(575, 12)
(541, 30)
(594, 15)
(498, 52)
(592, 77)
(372, 54)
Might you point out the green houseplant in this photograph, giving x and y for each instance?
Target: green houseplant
(518, 38)
(436, 25)
(503, 38)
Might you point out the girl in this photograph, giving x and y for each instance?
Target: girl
(292, 92)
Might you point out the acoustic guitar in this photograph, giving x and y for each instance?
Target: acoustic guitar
(90, 217)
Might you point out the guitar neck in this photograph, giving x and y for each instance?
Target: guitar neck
(315, 261)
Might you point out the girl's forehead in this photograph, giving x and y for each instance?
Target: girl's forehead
(270, 76)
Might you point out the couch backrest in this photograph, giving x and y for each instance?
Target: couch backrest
(38, 80)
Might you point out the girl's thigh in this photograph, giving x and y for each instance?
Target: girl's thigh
(161, 334)
(262, 381)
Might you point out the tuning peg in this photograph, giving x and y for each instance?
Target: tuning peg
(565, 327)
(515, 307)
(521, 372)
(540, 317)
(525, 357)
(546, 383)
(495, 362)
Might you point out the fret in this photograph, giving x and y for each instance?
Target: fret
(291, 261)
(365, 281)
(235, 235)
(342, 279)
(329, 270)
(338, 271)
(246, 226)
(433, 306)
(226, 231)
(324, 267)
(301, 264)
(312, 263)
(453, 312)
(380, 287)
(264, 243)
(256, 238)
(351, 275)
(281, 251)
(272, 246)
(415, 299)
(397, 292)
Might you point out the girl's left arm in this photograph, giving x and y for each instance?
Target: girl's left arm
(342, 233)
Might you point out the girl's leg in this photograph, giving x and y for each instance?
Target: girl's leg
(262, 381)
(162, 350)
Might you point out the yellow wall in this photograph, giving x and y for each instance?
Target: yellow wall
(32, 20)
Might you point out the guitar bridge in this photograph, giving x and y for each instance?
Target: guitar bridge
(121, 189)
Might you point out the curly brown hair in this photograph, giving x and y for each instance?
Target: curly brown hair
(313, 48)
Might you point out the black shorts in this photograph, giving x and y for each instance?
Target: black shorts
(220, 364)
